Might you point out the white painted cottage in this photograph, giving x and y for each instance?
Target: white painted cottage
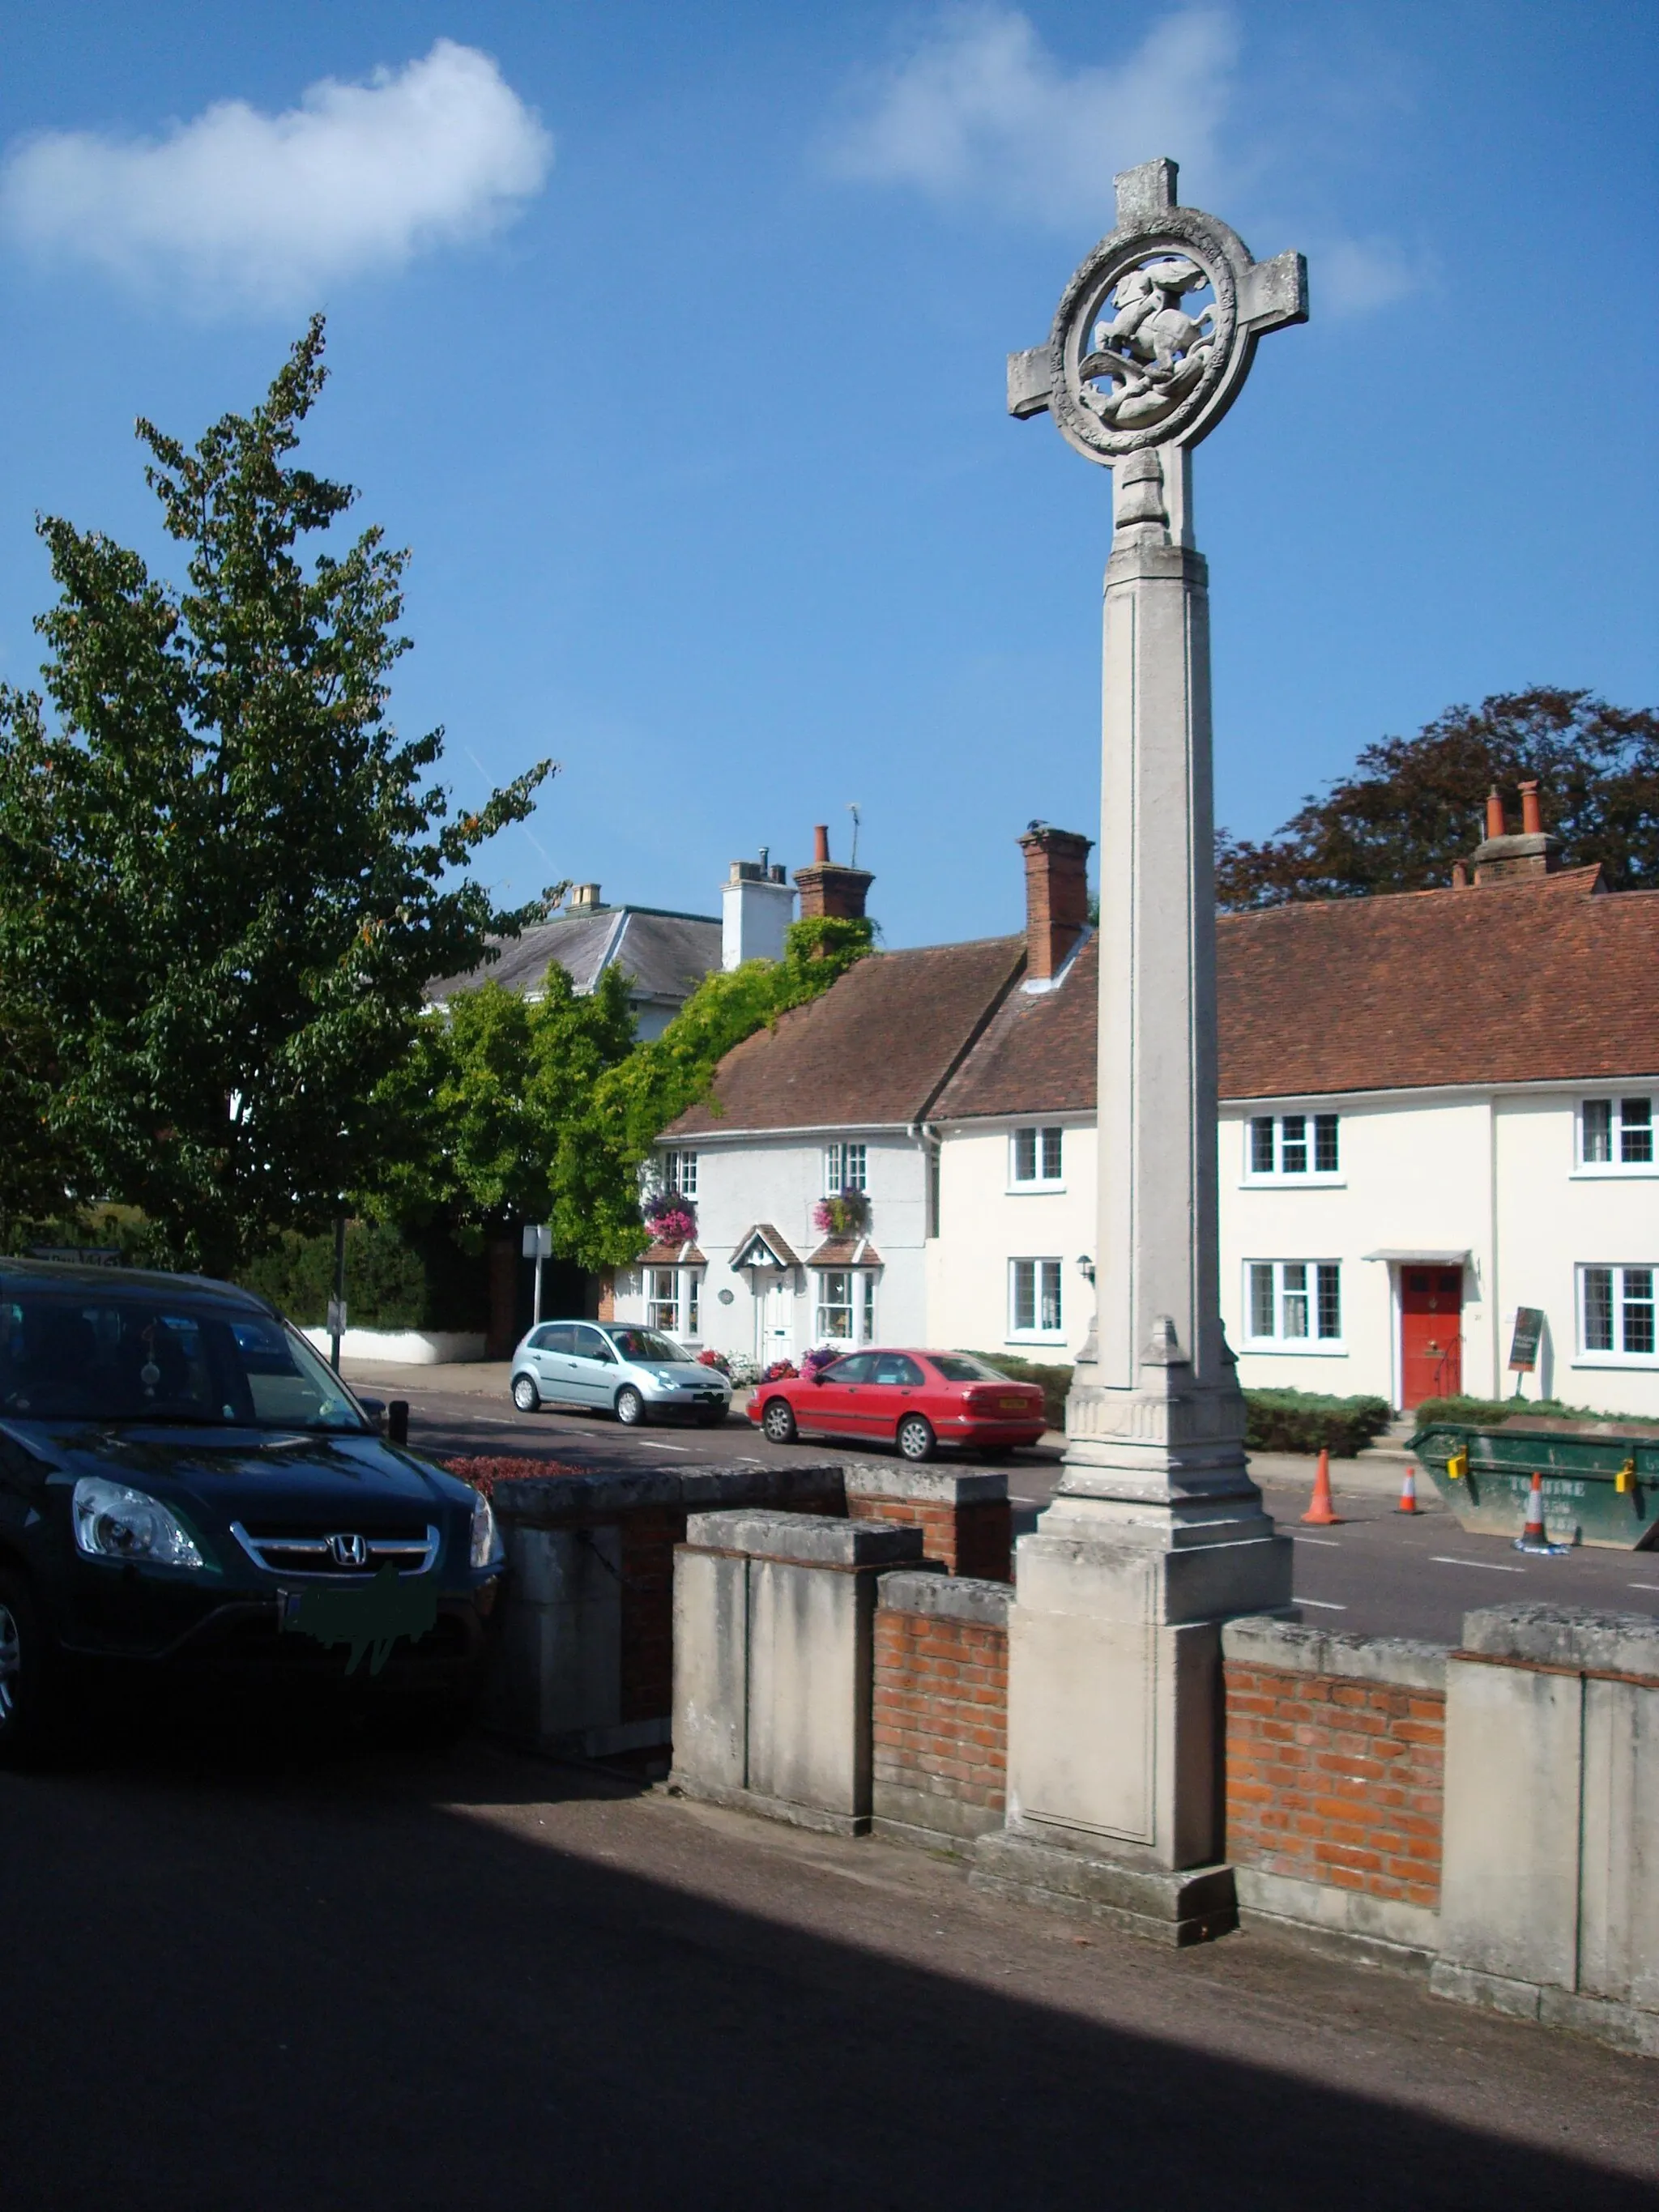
(1438, 1114)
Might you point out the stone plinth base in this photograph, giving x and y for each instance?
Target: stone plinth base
(1191, 1906)
(818, 1817)
(1625, 2027)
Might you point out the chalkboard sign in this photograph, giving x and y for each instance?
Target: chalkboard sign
(1523, 1344)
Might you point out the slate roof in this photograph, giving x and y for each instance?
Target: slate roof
(1547, 979)
(873, 1051)
(665, 955)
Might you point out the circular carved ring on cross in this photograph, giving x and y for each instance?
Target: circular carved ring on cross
(1148, 347)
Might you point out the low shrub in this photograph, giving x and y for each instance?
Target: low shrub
(709, 1357)
(1310, 1421)
(1491, 1412)
(486, 1474)
(780, 1370)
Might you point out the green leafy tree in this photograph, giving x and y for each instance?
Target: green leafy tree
(1415, 805)
(481, 1107)
(223, 878)
(596, 1183)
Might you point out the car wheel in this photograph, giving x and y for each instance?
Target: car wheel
(630, 1408)
(30, 1704)
(915, 1438)
(778, 1423)
(526, 1396)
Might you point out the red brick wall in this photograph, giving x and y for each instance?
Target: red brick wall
(1336, 1781)
(941, 1710)
(975, 1539)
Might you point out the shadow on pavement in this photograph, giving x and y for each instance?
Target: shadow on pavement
(269, 1977)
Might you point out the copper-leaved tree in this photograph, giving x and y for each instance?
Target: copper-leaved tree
(223, 876)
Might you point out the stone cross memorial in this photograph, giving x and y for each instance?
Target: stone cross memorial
(1155, 1534)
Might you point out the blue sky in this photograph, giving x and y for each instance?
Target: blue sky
(671, 341)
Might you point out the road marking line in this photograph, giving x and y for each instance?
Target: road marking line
(1491, 1567)
(1329, 1542)
(649, 1443)
(1323, 1603)
(1652, 1586)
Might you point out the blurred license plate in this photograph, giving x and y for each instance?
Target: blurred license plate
(1015, 1406)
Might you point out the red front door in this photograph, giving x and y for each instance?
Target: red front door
(1430, 1333)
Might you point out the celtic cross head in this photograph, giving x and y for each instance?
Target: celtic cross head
(1155, 331)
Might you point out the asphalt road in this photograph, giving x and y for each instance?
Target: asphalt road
(252, 1974)
(1381, 1573)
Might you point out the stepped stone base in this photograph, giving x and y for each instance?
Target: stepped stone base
(1192, 1907)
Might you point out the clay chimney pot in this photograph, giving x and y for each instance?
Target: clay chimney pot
(1532, 812)
(1495, 823)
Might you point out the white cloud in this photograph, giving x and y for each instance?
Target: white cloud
(1357, 275)
(980, 109)
(268, 210)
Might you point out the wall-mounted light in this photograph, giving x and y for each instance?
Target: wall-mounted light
(1085, 1266)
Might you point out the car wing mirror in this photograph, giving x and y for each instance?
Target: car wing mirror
(374, 1411)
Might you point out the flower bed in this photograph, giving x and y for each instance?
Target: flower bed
(485, 1473)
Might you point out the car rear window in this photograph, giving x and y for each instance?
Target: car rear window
(963, 1367)
(133, 1358)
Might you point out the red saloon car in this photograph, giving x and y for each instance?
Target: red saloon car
(917, 1400)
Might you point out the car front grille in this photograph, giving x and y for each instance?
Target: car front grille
(302, 1553)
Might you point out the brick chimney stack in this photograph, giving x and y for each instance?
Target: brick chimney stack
(829, 890)
(1502, 857)
(1056, 897)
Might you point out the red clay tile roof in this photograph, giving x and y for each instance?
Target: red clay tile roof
(1038, 1055)
(670, 1256)
(874, 1049)
(1545, 979)
(846, 1252)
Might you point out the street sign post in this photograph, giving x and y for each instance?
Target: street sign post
(537, 1246)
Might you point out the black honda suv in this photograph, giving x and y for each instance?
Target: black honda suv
(186, 1486)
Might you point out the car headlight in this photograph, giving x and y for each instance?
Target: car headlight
(114, 1522)
(487, 1550)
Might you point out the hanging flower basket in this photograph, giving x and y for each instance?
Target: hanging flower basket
(669, 1219)
(846, 1214)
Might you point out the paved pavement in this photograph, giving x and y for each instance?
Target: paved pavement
(1382, 1572)
(259, 1974)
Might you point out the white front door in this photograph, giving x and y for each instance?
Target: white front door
(775, 1318)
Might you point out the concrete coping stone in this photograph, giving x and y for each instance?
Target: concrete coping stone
(946, 1597)
(807, 1539)
(1401, 1661)
(932, 1486)
(557, 1499)
(1565, 1636)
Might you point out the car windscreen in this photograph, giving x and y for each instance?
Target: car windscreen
(647, 1343)
(129, 1357)
(963, 1367)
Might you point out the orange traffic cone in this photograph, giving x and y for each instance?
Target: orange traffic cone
(1408, 1491)
(1534, 1537)
(1321, 1514)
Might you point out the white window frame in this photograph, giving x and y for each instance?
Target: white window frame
(1278, 1176)
(1621, 1271)
(846, 1167)
(679, 1173)
(1042, 1281)
(1287, 1290)
(859, 1305)
(685, 1305)
(1617, 1169)
(1046, 1142)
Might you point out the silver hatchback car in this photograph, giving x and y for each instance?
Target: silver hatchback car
(638, 1373)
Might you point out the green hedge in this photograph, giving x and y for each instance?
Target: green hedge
(395, 1278)
(1308, 1421)
(1488, 1413)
